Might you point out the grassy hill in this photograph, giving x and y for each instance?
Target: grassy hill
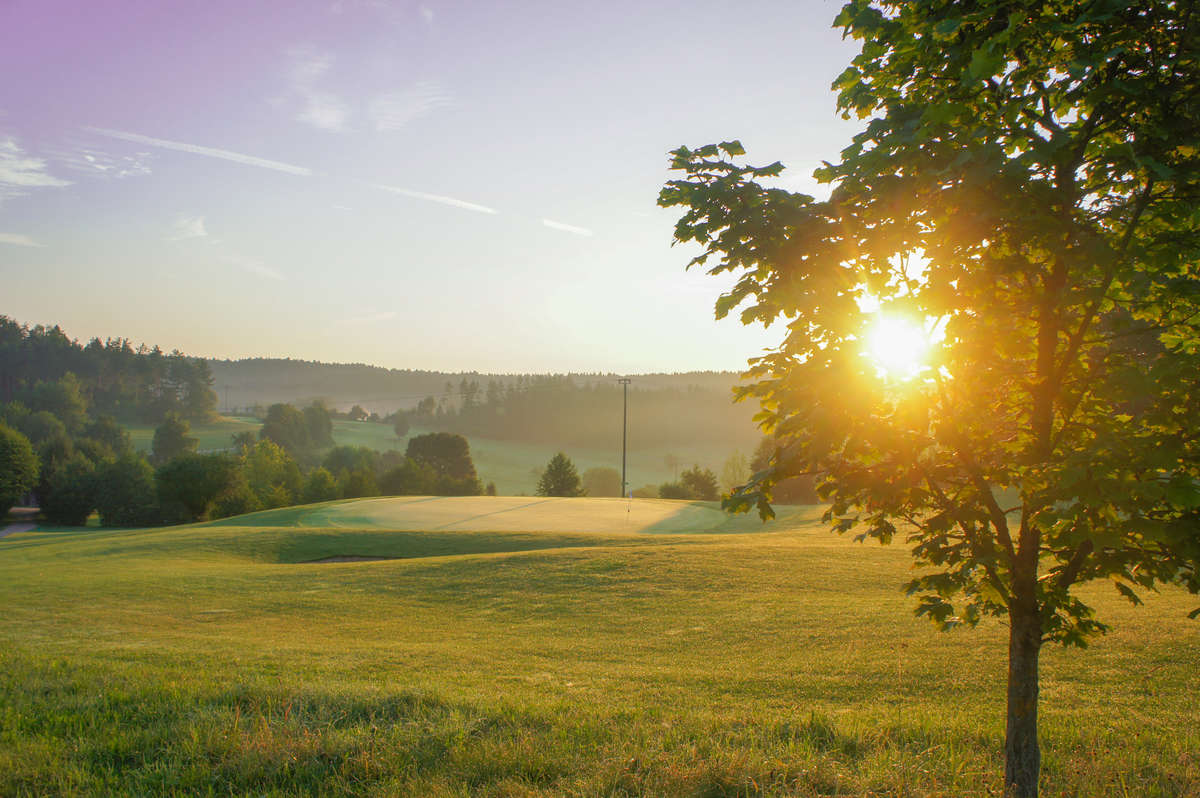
(682, 654)
(512, 465)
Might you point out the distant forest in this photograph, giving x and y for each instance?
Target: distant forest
(142, 383)
(564, 410)
(114, 377)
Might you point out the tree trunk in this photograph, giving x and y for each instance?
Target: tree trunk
(1022, 757)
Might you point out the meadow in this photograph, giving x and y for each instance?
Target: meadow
(528, 649)
(513, 465)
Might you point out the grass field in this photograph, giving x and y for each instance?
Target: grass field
(716, 658)
(510, 464)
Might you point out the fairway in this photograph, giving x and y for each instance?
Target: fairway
(519, 514)
(544, 647)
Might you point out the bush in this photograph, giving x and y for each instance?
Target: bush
(674, 490)
(411, 478)
(320, 486)
(18, 467)
(69, 495)
(602, 482)
(125, 492)
(236, 499)
(192, 482)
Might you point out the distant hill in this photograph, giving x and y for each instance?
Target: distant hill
(242, 384)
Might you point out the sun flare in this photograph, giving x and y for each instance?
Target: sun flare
(899, 347)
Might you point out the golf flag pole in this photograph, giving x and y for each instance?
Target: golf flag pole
(624, 427)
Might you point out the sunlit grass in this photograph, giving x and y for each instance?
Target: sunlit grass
(207, 659)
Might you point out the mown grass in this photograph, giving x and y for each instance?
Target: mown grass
(211, 660)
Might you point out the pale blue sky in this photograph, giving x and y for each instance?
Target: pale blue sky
(437, 185)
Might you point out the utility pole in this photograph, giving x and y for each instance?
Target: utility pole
(624, 426)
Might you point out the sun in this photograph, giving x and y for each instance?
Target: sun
(898, 346)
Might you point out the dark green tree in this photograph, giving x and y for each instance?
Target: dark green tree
(188, 484)
(125, 492)
(1024, 194)
(69, 496)
(18, 468)
(320, 425)
(410, 478)
(320, 486)
(701, 483)
(559, 478)
(288, 428)
(448, 454)
(171, 439)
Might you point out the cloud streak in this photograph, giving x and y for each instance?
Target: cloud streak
(210, 152)
(396, 110)
(19, 240)
(20, 171)
(321, 109)
(568, 228)
(438, 198)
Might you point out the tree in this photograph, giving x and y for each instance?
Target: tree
(320, 486)
(18, 468)
(271, 475)
(675, 490)
(602, 481)
(69, 496)
(701, 482)
(319, 424)
(1025, 194)
(400, 424)
(447, 453)
(287, 427)
(560, 478)
(125, 492)
(801, 489)
(190, 483)
(410, 478)
(357, 413)
(171, 439)
(734, 472)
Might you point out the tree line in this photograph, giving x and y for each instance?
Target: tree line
(565, 411)
(72, 464)
(113, 376)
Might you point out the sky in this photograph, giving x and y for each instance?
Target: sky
(458, 186)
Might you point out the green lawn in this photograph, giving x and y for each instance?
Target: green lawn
(514, 466)
(778, 660)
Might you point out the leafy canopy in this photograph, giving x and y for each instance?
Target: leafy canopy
(1028, 183)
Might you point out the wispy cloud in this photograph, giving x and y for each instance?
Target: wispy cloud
(98, 164)
(20, 171)
(320, 108)
(567, 228)
(397, 109)
(210, 152)
(370, 318)
(439, 198)
(19, 240)
(187, 227)
(324, 111)
(254, 266)
(426, 14)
